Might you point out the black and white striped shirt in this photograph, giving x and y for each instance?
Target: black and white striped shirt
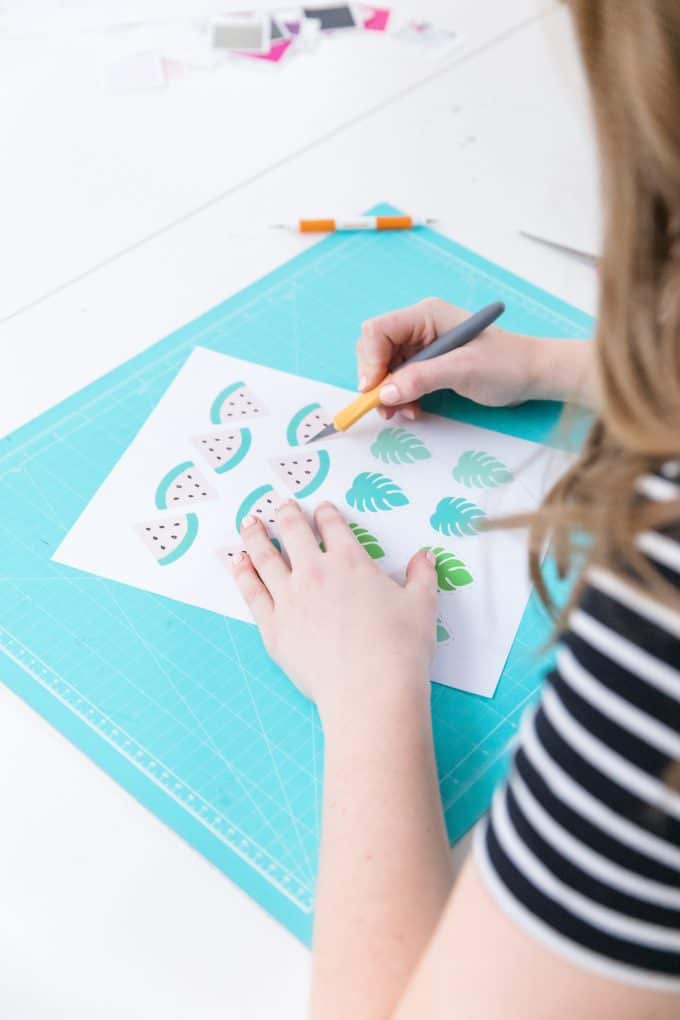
(582, 846)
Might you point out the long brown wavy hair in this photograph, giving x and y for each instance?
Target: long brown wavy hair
(631, 53)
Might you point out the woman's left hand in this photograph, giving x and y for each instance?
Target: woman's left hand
(343, 631)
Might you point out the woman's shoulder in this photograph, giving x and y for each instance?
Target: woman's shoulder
(583, 841)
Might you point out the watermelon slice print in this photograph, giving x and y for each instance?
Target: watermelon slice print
(182, 485)
(169, 539)
(223, 450)
(262, 502)
(235, 403)
(303, 472)
(306, 424)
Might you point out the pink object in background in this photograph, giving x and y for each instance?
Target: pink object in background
(275, 52)
(377, 21)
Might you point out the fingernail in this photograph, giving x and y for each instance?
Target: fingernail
(430, 557)
(248, 521)
(236, 559)
(389, 394)
(363, 382)
(409, 414)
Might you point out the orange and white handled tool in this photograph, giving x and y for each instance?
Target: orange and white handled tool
(329, 225)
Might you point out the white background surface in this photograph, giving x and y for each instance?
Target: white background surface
(125, 216)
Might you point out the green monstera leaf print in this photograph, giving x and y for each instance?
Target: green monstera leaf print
(398, 446)
(373, 491)
(475, 468)
(457, 516)
(451, 572)
(368, 541)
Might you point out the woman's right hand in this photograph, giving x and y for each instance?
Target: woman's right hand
(497, 369)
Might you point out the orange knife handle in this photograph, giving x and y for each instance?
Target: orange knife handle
(364, 403)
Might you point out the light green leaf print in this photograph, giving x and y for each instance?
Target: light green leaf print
(368, 541)
(373, 491)
(480, 469)
(457, 516)
(451, 572)
(443, 633)
(398, 446)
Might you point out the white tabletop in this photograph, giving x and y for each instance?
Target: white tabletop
(124, 217)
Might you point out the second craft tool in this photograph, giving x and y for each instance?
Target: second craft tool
(328, 225)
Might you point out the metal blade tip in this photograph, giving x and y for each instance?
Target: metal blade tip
(329, 430)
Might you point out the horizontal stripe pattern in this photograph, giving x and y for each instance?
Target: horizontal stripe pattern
(582, 846)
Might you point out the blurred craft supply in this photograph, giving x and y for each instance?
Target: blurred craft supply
(376, 19)
(246, 32)
(578, 253)
(433, 41)
(330, 225)
(332, 18)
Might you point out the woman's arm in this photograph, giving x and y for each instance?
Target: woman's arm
(387, 945)
(497, 369)
(385, 870)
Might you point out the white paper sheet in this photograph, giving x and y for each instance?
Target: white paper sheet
(481, 617)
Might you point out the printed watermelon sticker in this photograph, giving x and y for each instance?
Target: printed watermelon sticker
(169, 539)
(182, 485)
(306, 424)
(228, 554)
(372, 491)
(475, 468)
(263, 502)
(223, 450)
(236, 403)
(302, 473)
(457, 516)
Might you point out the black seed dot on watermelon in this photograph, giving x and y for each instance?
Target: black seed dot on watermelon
(175, 498)
(155, 538)
(173, 537)
(259, 510)
(161, 525)
(148, 529)
(218, 457)
(163, 548)
(188, 476)
(307, 472)
(290, 472)
(269, 500)
(271, 520)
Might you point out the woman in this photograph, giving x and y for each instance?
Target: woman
(570, 905)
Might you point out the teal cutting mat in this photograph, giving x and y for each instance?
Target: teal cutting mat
(179, 705)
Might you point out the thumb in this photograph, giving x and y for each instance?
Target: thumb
(421, 576)
(414, 381)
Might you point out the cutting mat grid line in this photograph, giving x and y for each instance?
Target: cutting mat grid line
(184, 707)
